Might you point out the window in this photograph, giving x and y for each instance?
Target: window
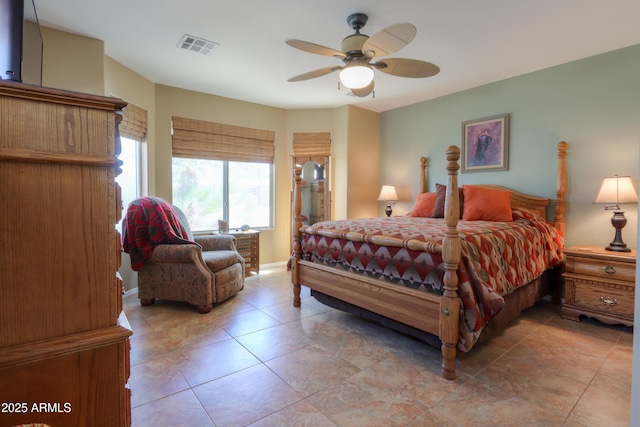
(212, 190)
(130, 178)
(222, 172)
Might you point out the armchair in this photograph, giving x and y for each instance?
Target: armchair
(201, 270)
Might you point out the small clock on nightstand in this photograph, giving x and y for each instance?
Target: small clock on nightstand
(599, 284)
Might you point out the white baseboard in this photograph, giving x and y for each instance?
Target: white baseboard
(130, 292)
(273, 264)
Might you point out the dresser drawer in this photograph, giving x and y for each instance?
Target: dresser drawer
(601, 268)
(609, 299)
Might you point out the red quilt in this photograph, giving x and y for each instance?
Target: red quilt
(150, 221)
(497, 257)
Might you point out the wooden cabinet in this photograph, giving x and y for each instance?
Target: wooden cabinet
(248, 245)
(64, 341)
(316, 211)
(599, 284)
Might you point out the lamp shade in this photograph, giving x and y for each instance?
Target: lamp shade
(388, 194)
(356, 75)
(617, 190)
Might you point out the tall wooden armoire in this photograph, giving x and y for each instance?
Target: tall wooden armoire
(64, 340)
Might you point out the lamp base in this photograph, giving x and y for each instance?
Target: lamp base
(616, 247)
(388, 210)
(618, 221)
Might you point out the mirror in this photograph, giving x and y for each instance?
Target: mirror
(315, 191)
(312, 193)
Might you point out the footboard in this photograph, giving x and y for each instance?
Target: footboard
(437, 315)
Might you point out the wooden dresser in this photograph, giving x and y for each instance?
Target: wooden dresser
(599, 284)
(64, 340)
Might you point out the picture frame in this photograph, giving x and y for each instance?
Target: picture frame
(485, 144)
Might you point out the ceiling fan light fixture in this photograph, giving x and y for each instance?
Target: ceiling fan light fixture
(356, 75)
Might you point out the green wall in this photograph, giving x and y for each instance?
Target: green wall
(593, 104)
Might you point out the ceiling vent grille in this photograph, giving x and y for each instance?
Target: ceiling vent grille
(198, 45)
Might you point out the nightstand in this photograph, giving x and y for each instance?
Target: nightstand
(599, 284)
(248, 246)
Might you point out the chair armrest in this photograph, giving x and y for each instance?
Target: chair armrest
(216, 242)
(176, 253)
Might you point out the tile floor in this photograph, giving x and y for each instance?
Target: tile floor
(256, 360)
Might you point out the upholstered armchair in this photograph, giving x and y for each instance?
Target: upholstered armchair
(201, 270)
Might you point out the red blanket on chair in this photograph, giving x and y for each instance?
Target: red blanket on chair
(150, 221)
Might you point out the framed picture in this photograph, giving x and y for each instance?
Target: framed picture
(485, 144)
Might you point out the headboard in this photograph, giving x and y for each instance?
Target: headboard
(537, 205)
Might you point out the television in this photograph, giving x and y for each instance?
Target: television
(11, 35)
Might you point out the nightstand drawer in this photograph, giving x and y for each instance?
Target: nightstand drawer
(601, 268)
(607, 299)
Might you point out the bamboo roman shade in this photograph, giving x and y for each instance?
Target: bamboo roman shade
(134, 123)
(198, 139)
(317, 144)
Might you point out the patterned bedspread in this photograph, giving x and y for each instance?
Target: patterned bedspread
(497, 257)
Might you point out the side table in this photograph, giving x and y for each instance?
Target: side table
(599, 284)
(248, 245)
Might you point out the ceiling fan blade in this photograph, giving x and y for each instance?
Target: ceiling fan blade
(315, 73)
(389, 40)
(314, 48)
(404, 67)
(365, 91)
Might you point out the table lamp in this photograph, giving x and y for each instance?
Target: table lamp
(388, 194)
(615, 191)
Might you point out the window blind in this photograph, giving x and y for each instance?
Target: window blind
(317, 144)
(197, 139)
(134, 123)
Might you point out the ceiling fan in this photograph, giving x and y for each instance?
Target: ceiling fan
(358, 52)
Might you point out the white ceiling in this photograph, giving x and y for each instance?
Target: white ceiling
(473, 41)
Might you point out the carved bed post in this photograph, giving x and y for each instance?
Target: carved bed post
(295, 232)
(451, 248)
(424, 164)
(561, 186)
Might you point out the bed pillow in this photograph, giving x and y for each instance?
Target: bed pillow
(425, 203)
(486, 204)
(441, 194)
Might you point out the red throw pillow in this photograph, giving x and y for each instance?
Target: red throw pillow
(425, 203)
(486, 204)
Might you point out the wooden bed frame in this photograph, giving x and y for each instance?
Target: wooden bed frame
(433, 314)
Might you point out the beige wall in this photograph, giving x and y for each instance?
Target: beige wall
(274, 246)
(362, 164)
(340, 161)
(70, 61)
(355, 157)
(78, 63)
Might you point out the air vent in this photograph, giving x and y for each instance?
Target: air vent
(198, 45)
